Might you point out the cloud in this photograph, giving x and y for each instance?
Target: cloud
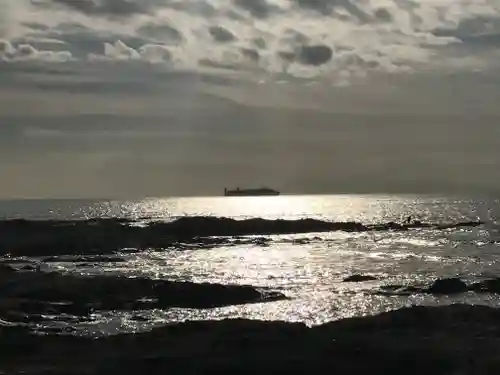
(257, 8)
(119, 51)
(161, 32)
(106, 7)
(273, 37)
(329, 7)
(220, 34)
(314, 55)
(26, 52)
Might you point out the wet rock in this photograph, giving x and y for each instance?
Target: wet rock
(55, 293)
(447, 286)
(359, 278)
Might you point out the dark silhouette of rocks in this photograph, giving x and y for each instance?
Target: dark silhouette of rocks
(85, 259)
(23, 294)
(486, 286)
(457, 339)
(104, 236)
(359, 278)
(445, 287)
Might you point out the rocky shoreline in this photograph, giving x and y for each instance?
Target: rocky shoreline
(449, 340)
(106, 236)
(27, 296)
(456, 339)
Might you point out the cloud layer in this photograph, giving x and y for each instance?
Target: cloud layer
(339, 39)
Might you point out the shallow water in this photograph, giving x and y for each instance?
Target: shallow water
(309, 267)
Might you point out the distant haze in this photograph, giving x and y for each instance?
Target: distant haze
(102, 98)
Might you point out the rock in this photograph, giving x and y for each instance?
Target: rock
(139, 318)
(85, 259)
(359, 278)
(486, 286)
(447, 286)
(79, 294)
(443, 286)
(101, 237)
(457, 339)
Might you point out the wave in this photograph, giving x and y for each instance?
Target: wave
(103, 236)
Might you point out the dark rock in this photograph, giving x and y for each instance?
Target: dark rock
(88, 259)
(486, 286)
(440, 286)
(444, 286)
(28, 267)
(447, 286)
(359, 278)
(457, 339)
(6, 270)
(106, 236)
(52, 292)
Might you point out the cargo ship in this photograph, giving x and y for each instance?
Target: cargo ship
(250, 192)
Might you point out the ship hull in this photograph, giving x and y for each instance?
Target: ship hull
(243, 194)
(251, 192)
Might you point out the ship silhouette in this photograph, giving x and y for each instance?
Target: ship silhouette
(250, 192)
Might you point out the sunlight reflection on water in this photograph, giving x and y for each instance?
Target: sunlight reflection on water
(365, 208)
(310, 267)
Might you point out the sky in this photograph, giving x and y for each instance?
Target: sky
(135, 98)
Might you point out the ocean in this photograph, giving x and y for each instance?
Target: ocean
(308, 267)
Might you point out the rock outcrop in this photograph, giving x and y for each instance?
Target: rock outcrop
(27, 294)
(359, 278)
(105, 236)
(457, 339)
(444, 287)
